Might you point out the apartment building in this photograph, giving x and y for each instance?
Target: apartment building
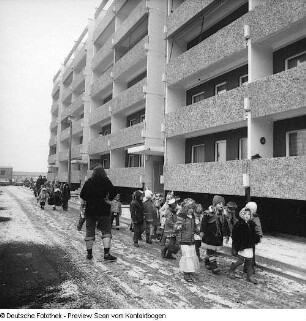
(201, 97)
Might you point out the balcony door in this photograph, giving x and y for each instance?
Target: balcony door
(220, 151)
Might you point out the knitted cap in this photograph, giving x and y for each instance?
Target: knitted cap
(252, 206)
(148, 194)
(218, 199)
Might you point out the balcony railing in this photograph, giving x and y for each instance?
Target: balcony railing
(73, 107)
(54, 107)
(52, 141)
(53, 124)
(56, 87)
(126, 177)
(127, 136)
(52, 159)
(128, 97)
(79, 59)
(99, 114)
(202, 177)
(185, 12)
(65, 134)
(63, 156)
(75, 176)
(101, 83)
(78, 84)
(131, 58)
(99, 145)
(219, 110)
(77, 126)
(136, 15)
(106, 20)
(220, 46)
(67, 72)
(67, 95)
(76, 151)
(103, 53)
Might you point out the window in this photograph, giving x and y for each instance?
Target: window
(142, 117)
(2, 172)
(104, 162)
(243, 148)
(296, 60)
(296, 143)
(220, 88)
(134, 160)
(198, 97)
(107, 98)
(243, 79)
(198, 154)
(81, 140)
(220, 151)
(132, 122)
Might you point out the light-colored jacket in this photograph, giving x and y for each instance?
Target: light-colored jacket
(116, 207)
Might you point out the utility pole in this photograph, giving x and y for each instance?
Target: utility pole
(70, 118)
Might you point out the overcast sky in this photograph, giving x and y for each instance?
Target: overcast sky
(35, 38)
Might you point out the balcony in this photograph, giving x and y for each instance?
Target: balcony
(107, 19)
(130, 59)
(64, 134)
(219, 48)
(77, 126)
(63, 156)
(79, 60)
(184, 13)
(66, 73)
(76, 151)
(75, 177)
(270, 18)
(101, 83)
(52, 159)
(278, 177)
(99, 145)
(78, 84)
(67, 95)
(56, 87)
(54, 107)
(128, 97)
(136, 15)
(77, 104)
(127, 137)
(126, 177)
(202, 177)
(219, 110)
(282, 92)
(102, 54)
(52, 141)
(99, 114)
(53, 124)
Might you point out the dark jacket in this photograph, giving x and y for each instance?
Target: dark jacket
(149, 210)
(137, 209)
(187, 228)
(66, 192)
(94, 192)
(214, 227)
(244, 235)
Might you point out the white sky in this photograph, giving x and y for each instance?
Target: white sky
(35, 38)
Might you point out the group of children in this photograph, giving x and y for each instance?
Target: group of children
(187, 227)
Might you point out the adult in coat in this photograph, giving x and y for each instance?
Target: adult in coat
(95, 192)
(65, 196)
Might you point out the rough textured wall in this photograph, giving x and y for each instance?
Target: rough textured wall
(101, 83)
(127, 137)
(98, 145)
(126, 177)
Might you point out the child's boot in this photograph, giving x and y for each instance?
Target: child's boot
(187, 277)
(207, 264)
(214, 266)
(250, 277)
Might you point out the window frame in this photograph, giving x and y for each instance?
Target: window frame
(131, 122)
(240, 148)
(142, 118)
(216, 143)
(240, 80)
(219, 85)
(198, 94)
(287, 140)
(139, 160)
(192, 153)
(292, 57)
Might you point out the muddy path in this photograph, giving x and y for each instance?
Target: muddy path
(43, 265)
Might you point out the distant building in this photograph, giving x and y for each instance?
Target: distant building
(20, 176)
(6, 175)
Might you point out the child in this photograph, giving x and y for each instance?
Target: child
(43, 196)
(244, 239)
(57, 197)
(198, 214)
(186, 227)
(170, 246)
(137, 215)
(252, 206)
(82, 215)
(116, 210)
(149, 214)
(214, 227)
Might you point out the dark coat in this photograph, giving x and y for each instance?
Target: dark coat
(66, 193)
(57, 197)
(214, 228)
(137, 209)
(244, 235)
(187, 229)
(94, 192)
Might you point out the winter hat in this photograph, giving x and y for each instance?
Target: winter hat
(243, 211)
(231, 206)
(172, 201)
(218, 199)
(252, 206)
